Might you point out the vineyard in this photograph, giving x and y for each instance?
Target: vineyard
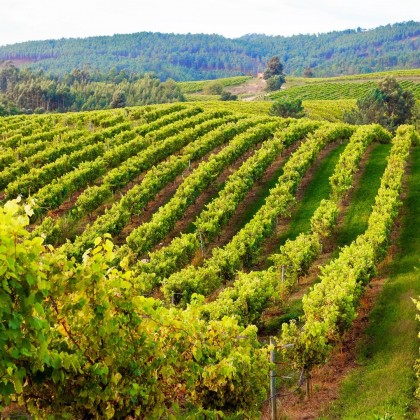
(329, 90)
(169, 234)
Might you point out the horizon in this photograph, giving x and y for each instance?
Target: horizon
(25, 21)
(204, 33)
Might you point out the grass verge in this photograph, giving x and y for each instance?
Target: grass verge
(383, 386)
(363, 198)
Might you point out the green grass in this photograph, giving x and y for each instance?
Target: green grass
(363, 198)
(292, 309)
(318, 189)
(385, 382)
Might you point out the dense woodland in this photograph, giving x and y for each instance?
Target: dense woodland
(199, 56)
(28, 91)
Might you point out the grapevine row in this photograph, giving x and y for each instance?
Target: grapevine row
(164, 262)
(245, 244)
(49, 154)
(90, 339)
(331, 306)
(94, 196)
(39, 177)
(114, 220)
(120, 158)
(252, 292)
(218, 211)
(148, 234)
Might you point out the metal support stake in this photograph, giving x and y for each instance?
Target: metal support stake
(201, 242)
(273, 382)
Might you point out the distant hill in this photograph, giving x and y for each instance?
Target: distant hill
(198, 57)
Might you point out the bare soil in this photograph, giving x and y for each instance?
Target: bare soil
(251, 90)
(271, 245)
(326, 380)
(237, 220)
(194, 210)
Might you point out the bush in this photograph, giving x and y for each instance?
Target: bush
(387, 104)
(287, 107)
(227, 96)
(214, 88)
(275, 83)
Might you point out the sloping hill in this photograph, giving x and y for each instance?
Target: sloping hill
(348, 87)
(196, 57)
(199, 199)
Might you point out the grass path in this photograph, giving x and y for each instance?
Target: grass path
(382, 387)
(318, 189)
(363, 198)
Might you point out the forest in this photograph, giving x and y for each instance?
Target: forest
(200, 56)
(28, 91)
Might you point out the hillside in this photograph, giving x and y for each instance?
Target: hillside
(198, 57)
(348, 87)
(215, 199)
(324, 98)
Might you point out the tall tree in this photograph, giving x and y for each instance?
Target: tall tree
(274, 75)
(387, 104)
(274, 68)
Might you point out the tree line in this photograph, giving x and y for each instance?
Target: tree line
(30, 91)
(203, 57)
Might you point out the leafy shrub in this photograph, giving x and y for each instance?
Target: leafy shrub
(287, 107)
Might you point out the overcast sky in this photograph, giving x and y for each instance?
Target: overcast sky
(24, 20)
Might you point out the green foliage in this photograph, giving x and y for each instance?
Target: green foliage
(330, 306)
(275, 83)
(274, 68)
(417, 364)
(36, 92)
(227, 96)
(213, 88)
(244, 246)
(137, 198)
(7, 107)
(218, 211)
(119, 100)
(252, 292)
(148, 234)
(200, 56)
(342, 178)
(24, 287)
(328, 110)
(79, 342)
(108, 351)
(387, 104)
(202, 85)
(273, 74)
(339, 88)
(286, 107)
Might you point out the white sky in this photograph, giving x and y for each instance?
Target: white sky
(24, 20)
